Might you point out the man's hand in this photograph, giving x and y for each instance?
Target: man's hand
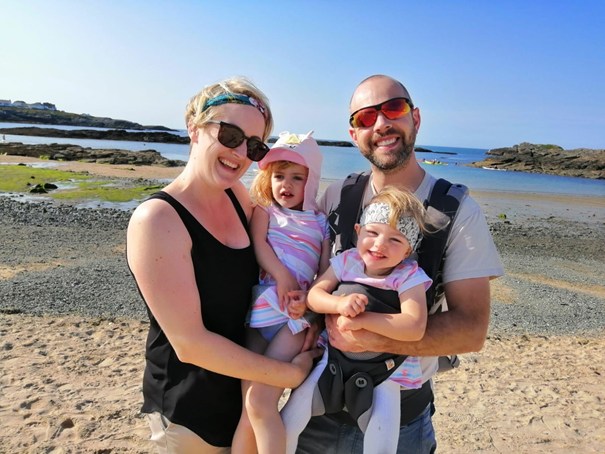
(348, 323)
(345, 340)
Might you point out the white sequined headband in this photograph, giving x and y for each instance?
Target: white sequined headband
(378, 213)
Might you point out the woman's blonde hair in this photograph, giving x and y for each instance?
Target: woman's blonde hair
(195, 115)
(260, 189)
(402, 203)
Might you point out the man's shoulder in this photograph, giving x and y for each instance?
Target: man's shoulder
(330, 198)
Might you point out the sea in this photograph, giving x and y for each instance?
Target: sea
(338, 162)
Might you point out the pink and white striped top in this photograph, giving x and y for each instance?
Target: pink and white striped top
(296, 238)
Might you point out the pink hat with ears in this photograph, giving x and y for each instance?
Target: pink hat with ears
(300, 149)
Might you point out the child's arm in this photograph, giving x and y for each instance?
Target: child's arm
(297, 304)
(321, 300)
(324, 258)
(409, 325)
(259, 226)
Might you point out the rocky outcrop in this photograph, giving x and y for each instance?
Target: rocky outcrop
(97, 134)
(120, 134)
(324, 142)
(66, 152)
(427, 150)
(11, 114)
(550, 159)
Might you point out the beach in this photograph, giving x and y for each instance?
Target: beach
(73, 328)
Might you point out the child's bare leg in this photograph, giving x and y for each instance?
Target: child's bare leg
(244, 441)
(262, 400)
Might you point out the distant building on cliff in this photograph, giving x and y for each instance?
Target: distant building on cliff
(24, 105)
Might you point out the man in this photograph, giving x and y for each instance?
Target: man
(384, 125)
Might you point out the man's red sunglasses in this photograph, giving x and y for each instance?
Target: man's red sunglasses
(392, 109)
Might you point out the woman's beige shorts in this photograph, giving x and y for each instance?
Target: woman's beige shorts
(170, 438)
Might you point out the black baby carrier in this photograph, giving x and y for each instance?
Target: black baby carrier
(348, 383)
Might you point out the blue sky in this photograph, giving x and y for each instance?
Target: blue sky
(484, 74)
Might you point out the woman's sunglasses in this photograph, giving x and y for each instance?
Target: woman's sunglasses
(232, 136)
(392, 109)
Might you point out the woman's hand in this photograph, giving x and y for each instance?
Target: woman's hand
(304, 362)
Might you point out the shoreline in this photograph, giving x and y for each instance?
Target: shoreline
(74, 328)
(163, 173)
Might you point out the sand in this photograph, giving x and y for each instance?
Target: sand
(73, 383)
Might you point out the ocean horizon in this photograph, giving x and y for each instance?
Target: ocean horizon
(339, 162)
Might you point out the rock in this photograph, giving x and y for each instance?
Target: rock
(120, 134)
(112, 134)
(38, 189)
(14, 114)
(324, 142)
(550, 159)
(427, 150)
(67, 152)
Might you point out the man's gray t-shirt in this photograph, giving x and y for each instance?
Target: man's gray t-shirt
(470, 252)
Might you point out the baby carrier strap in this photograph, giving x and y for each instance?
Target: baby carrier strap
(348, 211)
(444, 197)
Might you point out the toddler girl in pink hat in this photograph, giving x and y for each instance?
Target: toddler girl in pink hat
(292, 246)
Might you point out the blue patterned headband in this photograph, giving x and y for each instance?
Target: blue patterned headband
(379, 213)
(234, 98)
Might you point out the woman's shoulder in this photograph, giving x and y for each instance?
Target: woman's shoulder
(155, 225)
(152, 213)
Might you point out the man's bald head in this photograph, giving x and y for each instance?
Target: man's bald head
(378, 79)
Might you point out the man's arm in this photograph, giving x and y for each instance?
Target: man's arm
(461, 329)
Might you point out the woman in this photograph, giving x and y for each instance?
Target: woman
(191, 255)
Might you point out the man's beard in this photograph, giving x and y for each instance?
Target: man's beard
(397, 159)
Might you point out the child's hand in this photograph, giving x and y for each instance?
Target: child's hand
(285, 284)
(348, 323)
(297, 304)
(352, 305)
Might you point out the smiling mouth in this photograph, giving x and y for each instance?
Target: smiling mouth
(230, 164)
(386, 142)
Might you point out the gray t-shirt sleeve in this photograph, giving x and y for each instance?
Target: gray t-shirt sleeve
(471, 251)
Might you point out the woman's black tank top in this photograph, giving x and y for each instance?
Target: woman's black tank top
(207, 403)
